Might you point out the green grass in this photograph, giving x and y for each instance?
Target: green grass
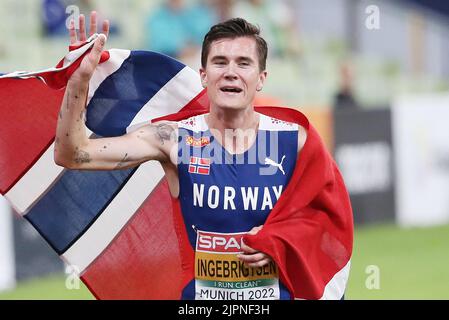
(48, 288)
(412, 264)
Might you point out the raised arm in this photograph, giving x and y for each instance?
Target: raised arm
(74, 149)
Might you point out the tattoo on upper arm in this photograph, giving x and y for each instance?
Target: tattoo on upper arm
(82, 157)
(122, 162)
(164, 132)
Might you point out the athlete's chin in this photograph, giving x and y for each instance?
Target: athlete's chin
(231, 102)
(232, 105)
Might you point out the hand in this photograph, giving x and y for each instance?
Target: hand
(252, 257)
(90, 61)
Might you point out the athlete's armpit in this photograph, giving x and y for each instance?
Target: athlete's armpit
(302, 137)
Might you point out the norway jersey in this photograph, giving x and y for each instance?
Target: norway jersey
(223, 196)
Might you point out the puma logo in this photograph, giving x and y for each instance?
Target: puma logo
(279, 165)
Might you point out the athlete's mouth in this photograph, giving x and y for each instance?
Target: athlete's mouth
(231, 89)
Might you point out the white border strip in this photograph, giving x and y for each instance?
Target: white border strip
(7, 259)
(171, 98)
(336, 288)
(34, 184)
(92, 243)
(105, 69)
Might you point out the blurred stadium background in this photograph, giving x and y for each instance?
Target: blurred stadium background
(373, 77)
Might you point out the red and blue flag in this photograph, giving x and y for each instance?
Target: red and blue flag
(121, 230)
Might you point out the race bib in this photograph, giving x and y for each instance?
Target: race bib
(220, 275)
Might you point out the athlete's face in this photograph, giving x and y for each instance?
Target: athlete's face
(232, 74)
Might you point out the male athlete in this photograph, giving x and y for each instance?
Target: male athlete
(227, 167)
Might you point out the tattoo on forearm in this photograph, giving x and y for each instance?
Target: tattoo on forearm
(82, 156)
(164, 132)
(122, 162)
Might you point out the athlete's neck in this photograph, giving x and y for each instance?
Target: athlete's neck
(222, 119)
(236, 130)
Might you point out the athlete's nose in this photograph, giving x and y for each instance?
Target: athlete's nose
(230, 72)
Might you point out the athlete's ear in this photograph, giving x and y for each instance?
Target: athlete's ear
(261, 81)
(203, 77)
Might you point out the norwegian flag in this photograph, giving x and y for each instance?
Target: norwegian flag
(120, 229)
(199, 165)
(94, 219)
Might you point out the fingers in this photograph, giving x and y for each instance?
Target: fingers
(105, 29)
(72, 32)
(82, 28)
(93, 23)
(247, 249)
(255, 260)
(97, 49)
(87, 68)
(82, 32)
(252, 232)
(252, 257)
(255, 230)
(260, 263)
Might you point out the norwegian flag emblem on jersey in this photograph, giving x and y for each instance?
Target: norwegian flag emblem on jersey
(199, 165)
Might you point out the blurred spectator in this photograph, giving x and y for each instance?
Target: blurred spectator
(54, 17)
(277, 23)
(223, 9)
(344, 98)
(200, 17)
(177, 30)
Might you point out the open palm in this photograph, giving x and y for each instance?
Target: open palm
(90, 61)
